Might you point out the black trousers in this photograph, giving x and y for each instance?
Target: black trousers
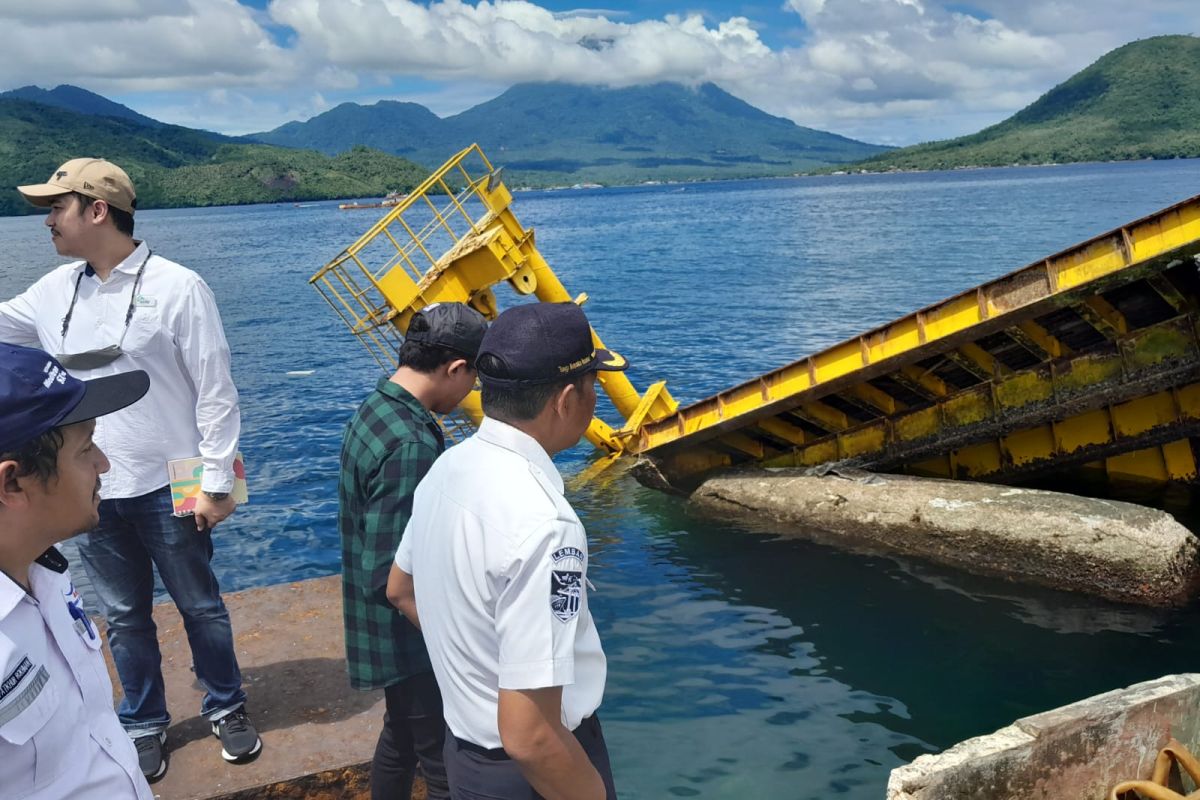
(413, 731)
(479, 774)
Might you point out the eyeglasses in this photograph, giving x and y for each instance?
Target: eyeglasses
(92, 359)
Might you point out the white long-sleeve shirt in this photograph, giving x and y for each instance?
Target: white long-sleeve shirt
(175, 335)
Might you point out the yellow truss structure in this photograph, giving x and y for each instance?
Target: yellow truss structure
(456, 239)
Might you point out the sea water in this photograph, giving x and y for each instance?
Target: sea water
(742, 664)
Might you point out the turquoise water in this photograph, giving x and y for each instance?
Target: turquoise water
(742, 664)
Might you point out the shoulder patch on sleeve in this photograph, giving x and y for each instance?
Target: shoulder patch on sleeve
(566, 582)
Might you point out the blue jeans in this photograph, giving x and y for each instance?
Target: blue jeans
(117, 556)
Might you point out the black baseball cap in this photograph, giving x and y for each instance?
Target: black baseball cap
(37, 394)
(456, 326)
(543, 342)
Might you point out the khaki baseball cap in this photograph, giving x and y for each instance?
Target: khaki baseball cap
(91, 177)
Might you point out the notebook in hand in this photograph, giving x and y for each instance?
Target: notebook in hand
(185, 474)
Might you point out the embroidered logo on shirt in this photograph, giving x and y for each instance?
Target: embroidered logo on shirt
(15, 677)
(566, 582)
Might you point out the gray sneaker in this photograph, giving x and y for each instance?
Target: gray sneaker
(239, 739)
(150, 755)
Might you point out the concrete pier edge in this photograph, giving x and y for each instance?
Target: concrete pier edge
(1077, 752)
(318, 734)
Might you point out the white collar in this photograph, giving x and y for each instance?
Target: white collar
(130, 265)
(11, 592)
(501, 434)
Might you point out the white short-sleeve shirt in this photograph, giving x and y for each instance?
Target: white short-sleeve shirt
(499, 564)
(59, 735)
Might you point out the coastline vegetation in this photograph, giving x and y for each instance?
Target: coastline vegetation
(176, 167)
(1139, 101)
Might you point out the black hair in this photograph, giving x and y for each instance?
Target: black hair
(38, 457)
(426, 358)
(519, 403)
(122, 220)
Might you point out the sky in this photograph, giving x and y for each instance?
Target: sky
(884, 71)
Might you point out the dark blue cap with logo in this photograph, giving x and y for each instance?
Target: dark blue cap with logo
(37, 395)
(540, 343)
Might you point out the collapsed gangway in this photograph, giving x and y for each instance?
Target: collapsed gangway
(1086, 360)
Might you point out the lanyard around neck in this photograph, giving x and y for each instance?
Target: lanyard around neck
(132, 297)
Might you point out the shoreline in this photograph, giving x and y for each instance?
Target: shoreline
(845, 171)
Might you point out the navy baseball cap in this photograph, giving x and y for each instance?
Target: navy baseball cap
(37, 395)
(453, 325)
(543, 342)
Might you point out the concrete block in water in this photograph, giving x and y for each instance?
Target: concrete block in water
(1120, 551)
(1077, 752)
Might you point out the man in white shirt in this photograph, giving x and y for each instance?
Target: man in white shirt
(493, 569)
(120, 307)
(59, 736)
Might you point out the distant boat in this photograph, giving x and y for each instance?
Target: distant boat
(392, 199)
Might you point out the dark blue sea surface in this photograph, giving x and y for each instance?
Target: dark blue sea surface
(742, 664)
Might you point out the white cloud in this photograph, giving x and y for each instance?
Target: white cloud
(139, 45)
(892, 71)
(233, 111)
(883, 70)
(54, 12)
(899, 71)
(513, 40)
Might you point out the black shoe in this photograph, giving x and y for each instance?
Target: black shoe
(150, 755)
(239, 739)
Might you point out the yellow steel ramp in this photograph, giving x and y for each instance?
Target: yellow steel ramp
(1086, 359)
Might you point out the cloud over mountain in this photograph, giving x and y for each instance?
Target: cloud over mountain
(882, 70)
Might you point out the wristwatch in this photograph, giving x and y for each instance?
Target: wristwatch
(218, 496)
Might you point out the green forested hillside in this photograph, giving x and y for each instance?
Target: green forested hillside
(397, 128)
(1138, 101)
(173, 166)
(81, 101)
(558, 133)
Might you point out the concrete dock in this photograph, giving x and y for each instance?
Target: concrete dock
(318, 733)
(1077, 752)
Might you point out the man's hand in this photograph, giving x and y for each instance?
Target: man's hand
(209, 512)
(402, 594)
(550, 758)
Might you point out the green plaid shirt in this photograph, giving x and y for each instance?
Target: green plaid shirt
(390, 443)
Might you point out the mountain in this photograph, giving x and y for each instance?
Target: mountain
(174, 166)
(389, 126)
(548, 132)
(81, 101)
(1141, 100)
